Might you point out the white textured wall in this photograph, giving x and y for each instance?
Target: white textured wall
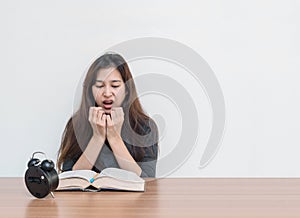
(252, 46)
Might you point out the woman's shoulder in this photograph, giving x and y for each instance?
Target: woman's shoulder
(149, 126)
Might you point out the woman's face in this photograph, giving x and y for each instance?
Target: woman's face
(109, 89)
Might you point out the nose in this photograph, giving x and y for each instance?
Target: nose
(107, 92)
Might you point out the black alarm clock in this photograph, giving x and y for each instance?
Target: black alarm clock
(41, 178)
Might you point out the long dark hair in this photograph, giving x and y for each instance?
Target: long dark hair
(136, 125)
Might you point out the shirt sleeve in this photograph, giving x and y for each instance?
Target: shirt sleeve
(68, 165)
(148, 164)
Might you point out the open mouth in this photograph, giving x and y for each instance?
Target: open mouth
(107, 104)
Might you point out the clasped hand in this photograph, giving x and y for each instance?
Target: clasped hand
(105, 125)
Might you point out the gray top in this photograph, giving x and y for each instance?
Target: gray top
(107, 159)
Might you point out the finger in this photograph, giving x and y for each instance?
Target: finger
(99, 116)
(102, 118)
(112, 114)
(95, 111)
(117, 109)
(119, 112)
(90, 114)
(109, 120)
(100, 108)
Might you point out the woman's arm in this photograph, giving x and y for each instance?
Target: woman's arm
(122, 155)
(90, 154)
(148, 163)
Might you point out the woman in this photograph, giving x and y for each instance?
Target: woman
(110, 129)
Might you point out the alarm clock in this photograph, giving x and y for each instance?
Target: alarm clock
(41, 178)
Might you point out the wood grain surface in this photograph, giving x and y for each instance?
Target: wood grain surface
(186, 197)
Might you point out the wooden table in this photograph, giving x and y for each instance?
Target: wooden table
(163, 198)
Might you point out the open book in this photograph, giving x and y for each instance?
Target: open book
(109, 178)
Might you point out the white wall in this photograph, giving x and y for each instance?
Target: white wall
(252, 46)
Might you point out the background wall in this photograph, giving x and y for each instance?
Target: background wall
(252, 46)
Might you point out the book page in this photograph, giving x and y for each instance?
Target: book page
(120, 174)
(84, 174)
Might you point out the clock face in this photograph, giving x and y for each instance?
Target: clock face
(37, 182)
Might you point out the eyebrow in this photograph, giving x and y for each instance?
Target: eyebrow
(114, 80)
